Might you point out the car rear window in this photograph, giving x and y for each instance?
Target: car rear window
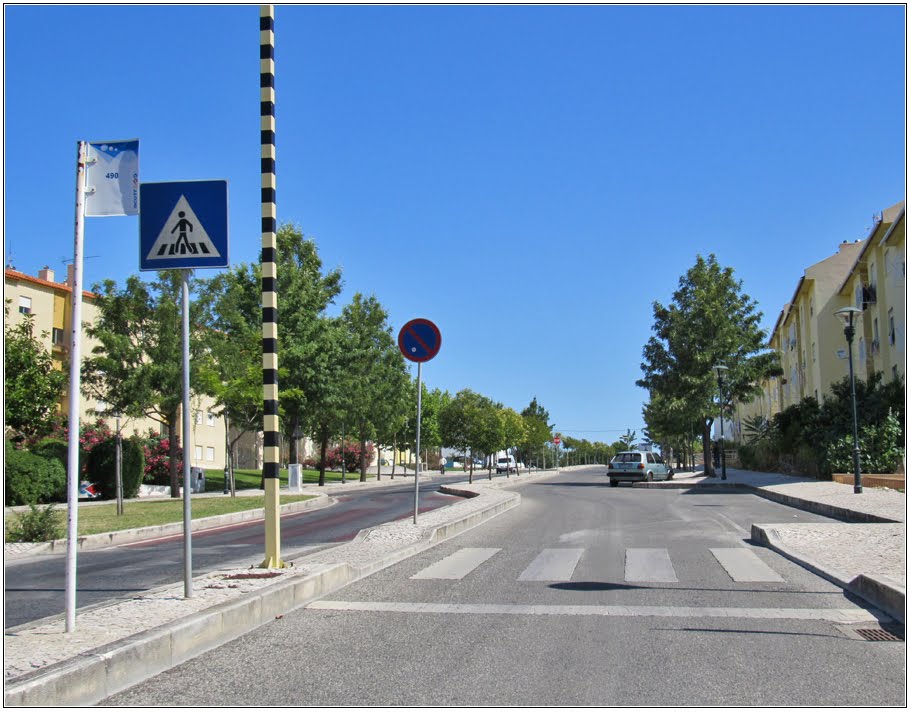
(628, 457)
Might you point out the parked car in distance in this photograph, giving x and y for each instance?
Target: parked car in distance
(636, 466)
(506, 464)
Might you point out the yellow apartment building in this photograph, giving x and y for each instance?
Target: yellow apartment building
(50, 303)
(875, 284)
(810, 340)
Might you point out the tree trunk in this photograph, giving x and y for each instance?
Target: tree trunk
(395, 449)
(323, 446)
(363, 456)
(471, 466)
(173, 445)
(709, 466)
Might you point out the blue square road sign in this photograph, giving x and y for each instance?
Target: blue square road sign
(183, 225)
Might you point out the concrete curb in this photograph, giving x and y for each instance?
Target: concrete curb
(128, 536)
(880, 591)
(97, 674)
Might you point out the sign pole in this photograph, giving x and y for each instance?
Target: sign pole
(417, 445)
(72, 489)
(187, 445)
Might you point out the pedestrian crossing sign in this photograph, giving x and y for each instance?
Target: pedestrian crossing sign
(183, 225)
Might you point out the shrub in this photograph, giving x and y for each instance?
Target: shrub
(156, 451)
(102, 466)
(351, 454)
(31, 479)
(44, 524)
(52, 448)
(880, 448)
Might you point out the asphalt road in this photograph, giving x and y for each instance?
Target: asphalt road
(583, 595)
(35, 587)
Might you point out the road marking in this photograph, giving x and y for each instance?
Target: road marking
(457, 565)
(744, 566)
(653, 565)
(837, 615)
(553, 565)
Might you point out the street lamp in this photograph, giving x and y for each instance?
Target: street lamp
(847, 315)
(719, 371)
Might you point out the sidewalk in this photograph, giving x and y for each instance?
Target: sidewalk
(118, 645)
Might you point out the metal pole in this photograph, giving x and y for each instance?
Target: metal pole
(187, 445)
(72, 489)
(858, 486)
(724, 472)
(417, 447)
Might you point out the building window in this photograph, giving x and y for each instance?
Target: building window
(210, 419)
(57, 336)
(198, 417)
(210, 454)
(198, 452)
(25, 305)
(891, 328)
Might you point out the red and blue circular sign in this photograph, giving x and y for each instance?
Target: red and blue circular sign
(419, 340)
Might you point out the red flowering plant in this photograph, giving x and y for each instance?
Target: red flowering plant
(157, 453)
(90, 434)
(351, 452)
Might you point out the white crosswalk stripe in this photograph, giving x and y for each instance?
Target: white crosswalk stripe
(744, 566)
(456, 566)
(649, 565)
(553, 565)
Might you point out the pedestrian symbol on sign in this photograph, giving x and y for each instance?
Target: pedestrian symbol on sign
(175, 237)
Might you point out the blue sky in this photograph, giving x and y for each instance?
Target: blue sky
(529, 178)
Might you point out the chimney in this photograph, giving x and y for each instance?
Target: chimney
(47, 274)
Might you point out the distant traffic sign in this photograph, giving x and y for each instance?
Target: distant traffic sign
(183, 225)
(556, 441)
(419, 340)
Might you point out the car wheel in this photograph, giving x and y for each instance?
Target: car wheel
(614, 483)
(649, 477)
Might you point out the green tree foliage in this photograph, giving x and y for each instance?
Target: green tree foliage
(710, 321)
(38, 524)
(538, 432)
(512, 428)
(31, 383)
(374, 368)
(137, 366)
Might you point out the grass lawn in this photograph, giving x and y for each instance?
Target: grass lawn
(250, 479)
(103, 517)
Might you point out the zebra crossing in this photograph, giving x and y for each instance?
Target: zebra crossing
(641, 565)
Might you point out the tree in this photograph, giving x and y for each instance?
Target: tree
(710, 321)
(32, 384)
(311, 375)
(628, 439)
(233, 310)
(374, 367)
(538, 433)
(455, 425)
(512, 427)
(137, 366)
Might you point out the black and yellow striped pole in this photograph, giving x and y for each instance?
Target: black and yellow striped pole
(269, 286)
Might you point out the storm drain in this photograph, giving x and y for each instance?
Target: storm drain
(873, 635)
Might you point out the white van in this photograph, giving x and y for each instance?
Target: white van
(506, 464)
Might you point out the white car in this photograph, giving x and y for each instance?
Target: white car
(506, 464)
(637, 466)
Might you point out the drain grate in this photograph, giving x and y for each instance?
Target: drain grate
(877, 634)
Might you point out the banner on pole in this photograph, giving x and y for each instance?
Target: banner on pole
(112, 178)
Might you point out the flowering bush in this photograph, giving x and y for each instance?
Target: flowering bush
(90, 434)
(351, 453)
(157, 454)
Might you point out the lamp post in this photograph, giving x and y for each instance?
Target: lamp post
(719, 371)
(847, 316)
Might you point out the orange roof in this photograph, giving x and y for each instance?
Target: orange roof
(63, 287)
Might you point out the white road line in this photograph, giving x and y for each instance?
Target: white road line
(743, 565)
(837, 615)
(553, 565)
(457, 565)
(653, 565)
